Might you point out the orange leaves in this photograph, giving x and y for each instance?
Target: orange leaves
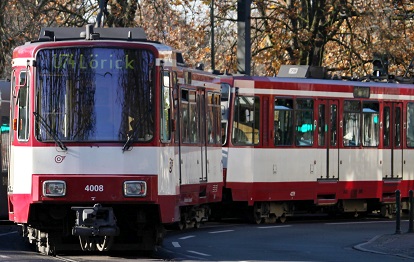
(283, 32)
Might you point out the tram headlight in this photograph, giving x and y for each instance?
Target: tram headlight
(135, 188)
(54, 188)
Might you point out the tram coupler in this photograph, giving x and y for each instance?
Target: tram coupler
(95, 221)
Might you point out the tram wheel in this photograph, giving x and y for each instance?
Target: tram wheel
(282, 218)
(197, 224)
(271, 219)
(386, 211)
(87, 243)
(191, 224)
(104, 243)
(258, 218)
(181, 225)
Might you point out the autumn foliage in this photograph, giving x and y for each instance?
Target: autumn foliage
(342, 35)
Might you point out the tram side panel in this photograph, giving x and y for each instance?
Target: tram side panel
(198, 151)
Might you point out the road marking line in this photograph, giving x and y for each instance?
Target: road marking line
(222, 231)
(274, 226)
(176, 244)
(186, 237)
(364, 222)
(198, 253)
(9, 233)
(65, 259)
(3, 256)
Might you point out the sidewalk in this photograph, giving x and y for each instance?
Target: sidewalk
(392, 244)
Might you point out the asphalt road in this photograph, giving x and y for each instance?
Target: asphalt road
(234, 241)
(305, 241)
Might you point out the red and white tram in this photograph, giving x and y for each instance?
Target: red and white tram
(112, 137)
(299, 144)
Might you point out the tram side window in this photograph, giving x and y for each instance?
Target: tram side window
(321, 125)
(213, 118)
(165, 109)
(397, 136)
(410, 124)
(246, 120)
(23, 103)
(386, 126)
(217, 117)
(225, 94)
(283, 121)
(370, 124)
(304, 122)
(193, 126)
(334, 128)
(189, 116)
(351, 123)
(184, 109)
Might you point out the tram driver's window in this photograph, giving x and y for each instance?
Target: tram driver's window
(283, 122)
(351, 123)
(246, 120)
(370, 124)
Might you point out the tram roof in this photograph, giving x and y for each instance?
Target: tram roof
(84, 36)
(322, 81)
(91, 33)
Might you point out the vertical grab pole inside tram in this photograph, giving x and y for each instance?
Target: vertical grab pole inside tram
(398, 213)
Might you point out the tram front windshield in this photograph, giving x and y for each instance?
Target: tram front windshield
(94, 94)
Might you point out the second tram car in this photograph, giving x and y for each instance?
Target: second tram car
(316, 144)
(112, 137)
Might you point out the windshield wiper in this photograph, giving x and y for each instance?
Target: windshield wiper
(50, 131)
(130, 136)
(127, 144)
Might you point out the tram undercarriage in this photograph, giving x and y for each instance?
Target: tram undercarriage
(278, 211)
(52, 228)
(271, 212)
(192, 217)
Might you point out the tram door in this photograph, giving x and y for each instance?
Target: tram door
(392, 141)
(201, 99)
(327, 138)
(192, 149)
